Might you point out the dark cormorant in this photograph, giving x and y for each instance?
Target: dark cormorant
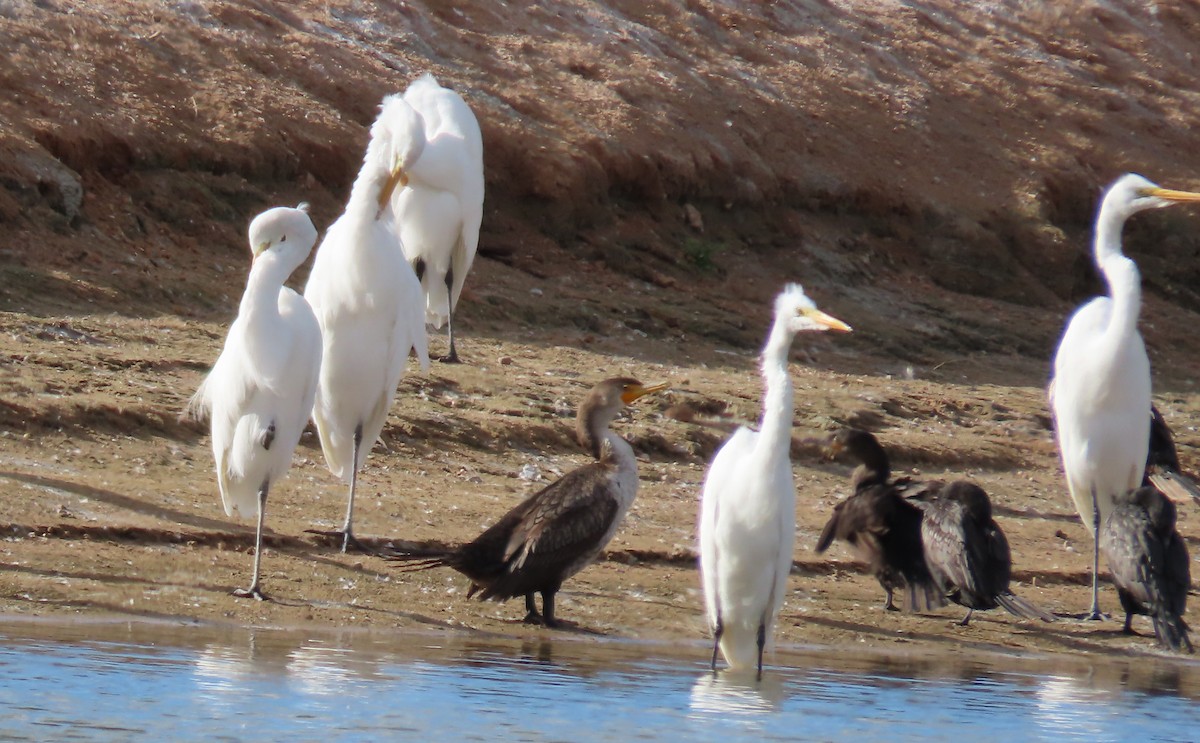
(560, 530)
(1149, 563)
(1162, 463)
(882, 527)
(967, 552)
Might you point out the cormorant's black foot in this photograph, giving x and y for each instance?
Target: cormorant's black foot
(889, 606)
(533, 618)
(253, 592)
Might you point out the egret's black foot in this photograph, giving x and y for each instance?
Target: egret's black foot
(450, 359)
(346, 539)
(1095, 615)
(253, 592)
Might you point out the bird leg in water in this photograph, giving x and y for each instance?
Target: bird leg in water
(452, 358)
(1094, 614)
(762, 643)
(254, 592)
(717, 632)
(717, 640)
(967, 619)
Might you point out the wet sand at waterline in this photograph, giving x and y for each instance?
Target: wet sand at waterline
(111, 508)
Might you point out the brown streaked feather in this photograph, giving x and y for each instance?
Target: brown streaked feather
(530, 548)
(967, 551)
(1163, 470)
(1148, 562)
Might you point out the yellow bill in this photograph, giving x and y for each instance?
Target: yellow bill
(634, 391)
(397, 178)
(827, 321)
(1169, 195)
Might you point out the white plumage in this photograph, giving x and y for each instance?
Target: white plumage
(368, 302)
(260, 391)
(747, 511)
(440, 208)
(1100, 395)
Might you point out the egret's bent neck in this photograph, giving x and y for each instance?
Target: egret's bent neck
(778, 399)
(1125, 288)
(363, 204)
(259, 311)
(1109, 224)
(267, 275)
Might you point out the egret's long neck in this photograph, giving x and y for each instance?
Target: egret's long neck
(779, 399)
(1121, 273)
(1125, 288)
(364, 194)
(259, 310)
(1109, 224)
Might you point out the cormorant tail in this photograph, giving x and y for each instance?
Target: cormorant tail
(1171, 631)
(1019, 607)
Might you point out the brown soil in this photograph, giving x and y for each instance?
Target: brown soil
(655, 172)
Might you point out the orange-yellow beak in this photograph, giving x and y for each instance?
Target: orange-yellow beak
(1169, 195)
(397, 178)
(633, 392)
(829, 322)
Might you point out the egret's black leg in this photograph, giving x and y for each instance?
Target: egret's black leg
(717, 632)
(1095, 614)
(762, 643)
(452, 358)
(254, 592)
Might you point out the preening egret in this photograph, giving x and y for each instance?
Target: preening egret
(880, 524)
(440, 208)
(747, 507)
(259, 393)
(1162, 463)
(1101, 390)
(1149, 563)
(966, 550)
(560, 530)
(369, 304)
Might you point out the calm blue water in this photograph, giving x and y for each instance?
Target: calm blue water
(131, 682)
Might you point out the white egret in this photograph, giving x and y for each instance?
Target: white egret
(1149, 563)
(747, 509)
(1100, 395)
(882, 526)
(369, 304)
(259, 393)
(561, 529)
(966, 550)
(440, 208)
